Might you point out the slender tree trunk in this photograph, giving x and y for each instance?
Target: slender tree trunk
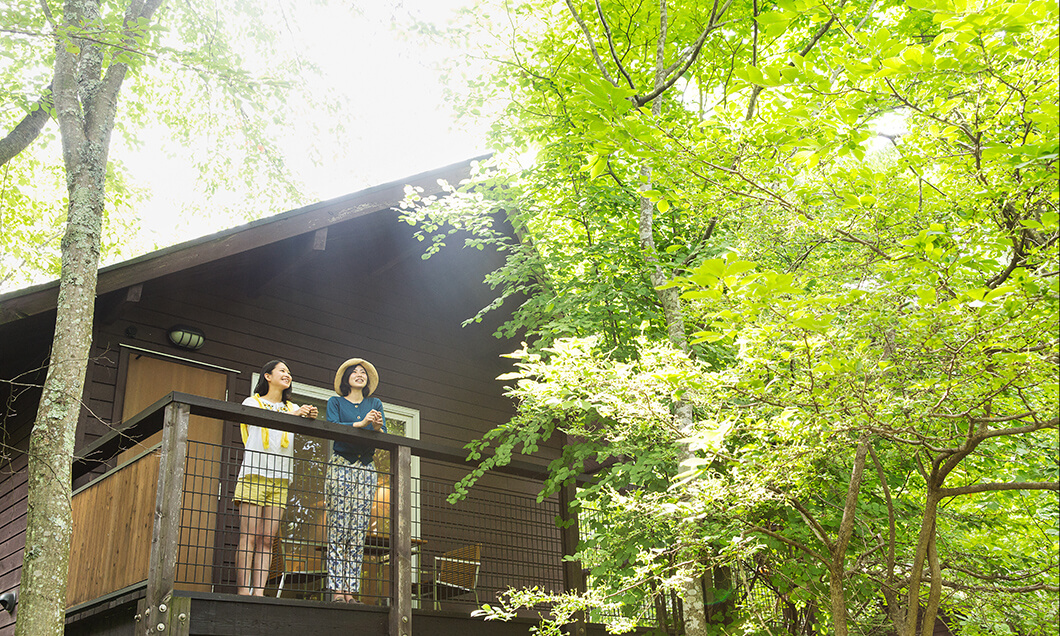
(693, 603)
(935, 595)
(42, 600)
(85, 102)
(889, 589)
(45, 565)
(695, 611)
(926, 537)
(837, 569)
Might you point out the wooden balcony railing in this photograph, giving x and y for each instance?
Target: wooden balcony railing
(152, 520)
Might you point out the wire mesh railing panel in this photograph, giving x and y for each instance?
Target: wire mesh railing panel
(318, 535)
(323, 533)
(471, 550)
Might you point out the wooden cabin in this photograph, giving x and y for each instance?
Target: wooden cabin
(178, 339)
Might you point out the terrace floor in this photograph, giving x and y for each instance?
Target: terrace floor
(213, 614)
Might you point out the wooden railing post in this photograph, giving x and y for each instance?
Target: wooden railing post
(401, 540)
(158, 614)
(573, 578)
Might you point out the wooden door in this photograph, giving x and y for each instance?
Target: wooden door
(148, 380)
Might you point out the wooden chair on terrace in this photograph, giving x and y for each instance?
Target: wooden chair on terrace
(297, 567)
(455, 574)
(277, 566)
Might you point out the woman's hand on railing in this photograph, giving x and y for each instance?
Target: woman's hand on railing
(374, 420)
(306, 410)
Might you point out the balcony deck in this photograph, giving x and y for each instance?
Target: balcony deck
(229, 615)
(155, 536)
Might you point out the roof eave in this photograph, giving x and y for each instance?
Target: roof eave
(39, 298)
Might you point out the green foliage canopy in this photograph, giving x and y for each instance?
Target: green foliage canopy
(858, 204)
(209, 87)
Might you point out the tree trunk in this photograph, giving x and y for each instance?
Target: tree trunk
(695, 614)
(695, 611)
(837, 569)
(42, 596)
(85, 101)
(924, 541)
(935, 595)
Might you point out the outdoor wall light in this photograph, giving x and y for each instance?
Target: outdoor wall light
(8, 600)
(186, 337)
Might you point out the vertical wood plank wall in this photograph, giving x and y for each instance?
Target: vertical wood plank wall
(111, 540)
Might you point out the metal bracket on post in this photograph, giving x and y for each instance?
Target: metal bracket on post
(401, 540)
(171, 617)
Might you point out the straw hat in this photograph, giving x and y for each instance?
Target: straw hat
(373, 375)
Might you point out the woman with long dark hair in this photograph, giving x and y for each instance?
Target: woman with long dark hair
(261, 492)
(351, 479)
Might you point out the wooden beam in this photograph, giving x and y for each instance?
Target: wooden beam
(161, 573)
(132, 295)
(302, 250)
(320, 239)
(172, 618)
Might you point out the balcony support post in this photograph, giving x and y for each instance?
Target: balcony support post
(573, 577)
(166, 536)
(401, 540)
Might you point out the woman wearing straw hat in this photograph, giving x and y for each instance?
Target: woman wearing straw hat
(351, 479)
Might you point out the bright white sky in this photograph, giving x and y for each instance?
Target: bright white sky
(400, 125)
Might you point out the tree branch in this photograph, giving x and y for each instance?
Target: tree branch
(611, 44)
(102, 118)
(693, 55)
(981, 420)
(753, 101)
(854, 239)
(846, 525)
(816, 527)
(592, 45)
(1023, 589)
(47, 13)
(1019, 255)
(999, 486)
(1030, 428)
(27, 130)
(1042, 347)
(891, 530)
(1016, 576)
(791, 542)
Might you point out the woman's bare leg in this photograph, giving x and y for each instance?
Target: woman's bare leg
(268, 525)
(249, 531)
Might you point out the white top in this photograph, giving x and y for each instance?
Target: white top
(274, 460)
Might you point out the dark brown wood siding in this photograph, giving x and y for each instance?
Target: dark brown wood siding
(22, 369)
